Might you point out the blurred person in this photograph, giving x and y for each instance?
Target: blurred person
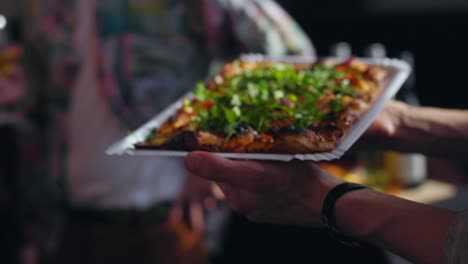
(302, 193)
(12, 92)
(12, 89)
(101, 69)
(12, 83)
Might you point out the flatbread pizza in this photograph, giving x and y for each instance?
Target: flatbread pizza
(271, 107)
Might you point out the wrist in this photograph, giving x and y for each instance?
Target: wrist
(319, 185)
(327, 183)
(353, 211)
(328, 211)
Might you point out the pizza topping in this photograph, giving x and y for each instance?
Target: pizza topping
(260, 95)
(266, 106)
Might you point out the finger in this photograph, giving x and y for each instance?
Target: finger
(217, 192)
(177, 212)
(226, 189)
(219, 169)
(241, 201)
(197, 217)
(230, 194)
(209, 203)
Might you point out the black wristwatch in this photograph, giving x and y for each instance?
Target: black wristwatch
(328, 212)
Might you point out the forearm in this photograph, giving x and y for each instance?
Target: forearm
(414, 231)
(433, 131)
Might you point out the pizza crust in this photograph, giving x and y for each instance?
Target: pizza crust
(179, 134)
(302, 144)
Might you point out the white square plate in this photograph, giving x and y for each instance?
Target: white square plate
(397, 73)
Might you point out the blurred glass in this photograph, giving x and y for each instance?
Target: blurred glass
(341, 50)
(3, 22)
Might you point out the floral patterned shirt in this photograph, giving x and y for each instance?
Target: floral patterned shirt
(149, 53)
(152, 51)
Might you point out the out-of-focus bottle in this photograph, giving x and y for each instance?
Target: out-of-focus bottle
(377, 163)
(386, 168)
(341, 50)
(410, 169)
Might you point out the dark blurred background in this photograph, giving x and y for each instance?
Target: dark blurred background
(433, 30)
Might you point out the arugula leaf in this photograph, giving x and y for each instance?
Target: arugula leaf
(256, 97)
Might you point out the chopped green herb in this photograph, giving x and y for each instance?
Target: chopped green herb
(258, 97)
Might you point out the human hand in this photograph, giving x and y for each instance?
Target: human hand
(386, 128)
(274, 192)
(197, 196)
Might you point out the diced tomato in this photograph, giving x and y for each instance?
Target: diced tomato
(340, 68)
(352, 79)
(207, 104)
(323, 104)
(266, 137)
(348, 61)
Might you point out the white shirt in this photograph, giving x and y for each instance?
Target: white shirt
(98, 180)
